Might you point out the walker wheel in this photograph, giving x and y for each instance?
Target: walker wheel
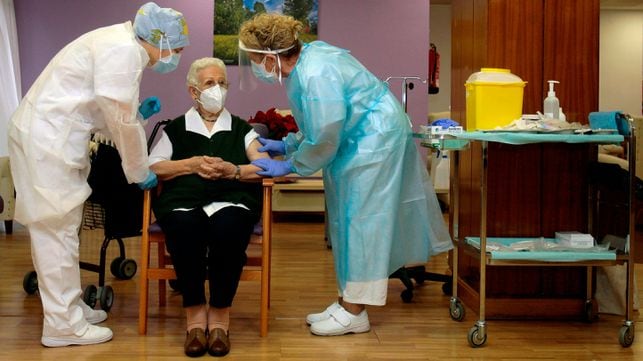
(115, 266)
(89, 295)
(106, 298)
(127, 269)
(30, 282)
(123, 268)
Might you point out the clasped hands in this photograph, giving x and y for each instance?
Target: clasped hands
(212, 168)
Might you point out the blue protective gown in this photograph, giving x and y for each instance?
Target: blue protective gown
(382, 210)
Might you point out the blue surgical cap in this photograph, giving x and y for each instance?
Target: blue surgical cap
(153, 23)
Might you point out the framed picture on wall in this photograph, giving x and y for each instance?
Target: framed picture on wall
(230, 14)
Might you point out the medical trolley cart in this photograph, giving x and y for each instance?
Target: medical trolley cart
(477, 335)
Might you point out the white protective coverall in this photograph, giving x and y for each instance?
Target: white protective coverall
(90, 85)
(382, 210)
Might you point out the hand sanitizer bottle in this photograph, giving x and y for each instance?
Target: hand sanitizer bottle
(561, 116)
(551, 106)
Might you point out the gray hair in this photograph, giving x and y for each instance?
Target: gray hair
(199, 64)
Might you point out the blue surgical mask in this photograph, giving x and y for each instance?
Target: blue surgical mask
(259, 70)
(167, 64)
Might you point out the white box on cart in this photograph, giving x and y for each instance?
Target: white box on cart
(575, 239)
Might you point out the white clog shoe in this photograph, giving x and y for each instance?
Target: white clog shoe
(341, 322)
(89, 336)
(316, 317)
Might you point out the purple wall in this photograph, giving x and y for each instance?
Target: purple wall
(45, 27)
(390, 37)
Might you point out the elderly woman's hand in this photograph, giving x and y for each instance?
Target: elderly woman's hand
(195, 164)
(216, 168)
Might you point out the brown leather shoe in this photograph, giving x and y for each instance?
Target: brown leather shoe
(218, 343)
(196, 343)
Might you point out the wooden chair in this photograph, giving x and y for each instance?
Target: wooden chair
(257, 267)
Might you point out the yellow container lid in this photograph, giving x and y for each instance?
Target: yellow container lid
(495, 76)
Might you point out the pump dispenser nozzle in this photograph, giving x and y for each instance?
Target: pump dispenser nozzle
(551, 106)
(551, 87)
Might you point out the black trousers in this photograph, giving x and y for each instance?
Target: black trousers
(203, 246)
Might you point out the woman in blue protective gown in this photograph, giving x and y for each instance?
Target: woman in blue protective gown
(382, 209)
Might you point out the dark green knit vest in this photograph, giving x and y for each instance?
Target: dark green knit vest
(191, 191)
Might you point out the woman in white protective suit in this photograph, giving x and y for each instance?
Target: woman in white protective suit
(91, 85)
(382, 209)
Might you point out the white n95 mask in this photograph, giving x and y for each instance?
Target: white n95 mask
(213, 98)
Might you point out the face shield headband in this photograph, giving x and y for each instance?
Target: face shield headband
(252, 66)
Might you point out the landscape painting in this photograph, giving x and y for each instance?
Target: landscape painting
(230, 14)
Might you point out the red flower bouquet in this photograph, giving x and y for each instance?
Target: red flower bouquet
(278, 125)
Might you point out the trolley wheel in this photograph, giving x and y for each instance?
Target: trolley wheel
(626, 336)
(106, 298)
(447, 288)
(456, 310)
(407, 296)
(474, 337)
(30, 282)
(89, 295)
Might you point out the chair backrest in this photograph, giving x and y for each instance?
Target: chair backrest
(257, 267)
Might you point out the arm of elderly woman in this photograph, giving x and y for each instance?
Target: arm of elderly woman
(248, 172)
(211, 167)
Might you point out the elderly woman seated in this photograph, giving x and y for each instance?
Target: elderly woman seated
(209, 203)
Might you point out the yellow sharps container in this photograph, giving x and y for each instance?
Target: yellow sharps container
(493, 98)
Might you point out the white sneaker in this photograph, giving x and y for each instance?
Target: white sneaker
(91, 335)
(341, 322)
(95, 316)
(316, 317)
(91, 315)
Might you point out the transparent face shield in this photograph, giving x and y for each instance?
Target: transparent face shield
(253, 68)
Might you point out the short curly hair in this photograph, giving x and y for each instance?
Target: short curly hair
(192, 79)
(272, 31)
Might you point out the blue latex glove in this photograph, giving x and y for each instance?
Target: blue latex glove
(273, 147)
(445, 123)
(150, 181)
(273, 167)
(149, 107)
